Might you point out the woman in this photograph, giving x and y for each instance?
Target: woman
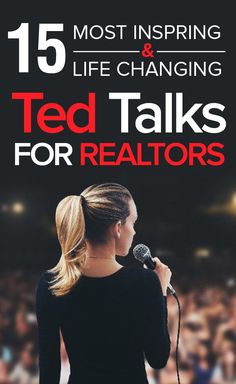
(109, 315)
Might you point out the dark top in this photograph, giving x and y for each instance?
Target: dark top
(107, 323)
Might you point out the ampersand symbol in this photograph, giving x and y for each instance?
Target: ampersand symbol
(147, 51)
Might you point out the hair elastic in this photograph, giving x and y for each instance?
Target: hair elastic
(82, 198)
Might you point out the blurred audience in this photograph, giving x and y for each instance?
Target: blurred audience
(26, 370)
(207, 348)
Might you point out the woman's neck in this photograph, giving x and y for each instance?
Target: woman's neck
(100, 260)
(104, 251)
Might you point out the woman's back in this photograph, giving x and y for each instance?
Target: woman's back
(107, 324)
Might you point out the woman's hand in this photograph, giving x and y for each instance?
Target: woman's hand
(164, 273)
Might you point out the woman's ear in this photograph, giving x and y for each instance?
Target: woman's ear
(116, 229)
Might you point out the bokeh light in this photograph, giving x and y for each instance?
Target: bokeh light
(234, 200)
(18, 208)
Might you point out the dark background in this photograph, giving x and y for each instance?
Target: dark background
(187, 215)
(181, 209)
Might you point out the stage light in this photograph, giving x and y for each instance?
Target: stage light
(228, 207)
(234, 200)
(202, 253)
(163, 253)
(18, 208)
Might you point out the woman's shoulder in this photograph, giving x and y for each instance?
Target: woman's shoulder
(44, 280)
(144, 282)
(46, 276)
(144, 274)
(141, 271)
(147, 279)
(45, 300)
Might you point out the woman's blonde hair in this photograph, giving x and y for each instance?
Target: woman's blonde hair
(85, 217)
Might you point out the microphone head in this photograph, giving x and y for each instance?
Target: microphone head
(141, 252)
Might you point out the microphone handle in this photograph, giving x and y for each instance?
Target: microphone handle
(151, 264)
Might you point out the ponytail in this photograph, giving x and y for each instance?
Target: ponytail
(70, 225)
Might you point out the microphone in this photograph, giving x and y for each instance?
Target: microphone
(142, 253)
